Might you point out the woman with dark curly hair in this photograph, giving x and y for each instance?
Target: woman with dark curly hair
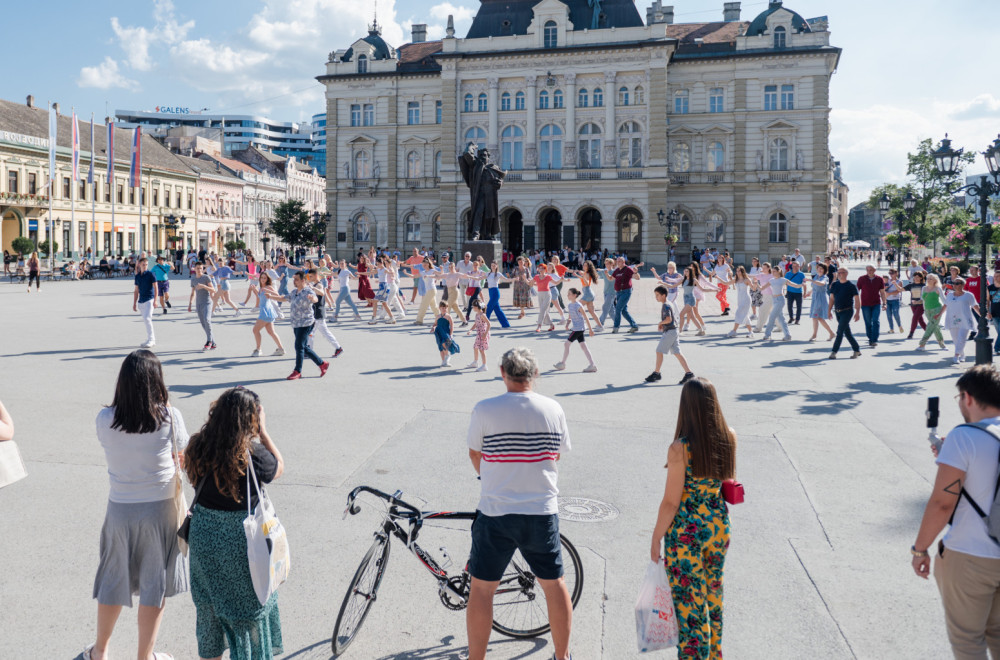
(217, 461)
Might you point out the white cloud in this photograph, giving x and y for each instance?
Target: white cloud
(982, 107)
(136, 41)
(445, 9)
(105, 76)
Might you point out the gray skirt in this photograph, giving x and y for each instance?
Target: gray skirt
(140, 555)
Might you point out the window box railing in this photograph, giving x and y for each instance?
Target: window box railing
(514, 177)
(680, 178)
(629, 174)
(588, 175)
(549, 175)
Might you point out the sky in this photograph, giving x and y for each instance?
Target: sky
(910, 69)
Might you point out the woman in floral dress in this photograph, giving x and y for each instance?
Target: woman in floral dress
(522, 287)
(692, 526)
(365, 293)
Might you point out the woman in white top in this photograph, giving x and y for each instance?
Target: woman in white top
(140, 556)
(893, 297)
(344, 276)
(743, 284)
(960, 305)
(756, 298)
(763, 277)
(777, 295)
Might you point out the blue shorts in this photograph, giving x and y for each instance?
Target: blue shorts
(224, 284)
(495, 538)
(163, 286)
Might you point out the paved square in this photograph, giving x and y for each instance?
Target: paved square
(832, 455)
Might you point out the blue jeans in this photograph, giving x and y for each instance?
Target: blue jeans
(871, 314)
(494, 307)
(892, 312)
(996, 329)
(621, 308)
(302, 349)
(609, 306)
(844, 330)
(345, 296)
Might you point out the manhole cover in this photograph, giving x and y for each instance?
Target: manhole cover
(582, 509)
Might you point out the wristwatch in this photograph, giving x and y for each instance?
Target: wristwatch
(918, 553)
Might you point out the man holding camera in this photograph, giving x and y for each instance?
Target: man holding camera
(967, 570)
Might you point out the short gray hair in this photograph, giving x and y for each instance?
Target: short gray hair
(519, 364)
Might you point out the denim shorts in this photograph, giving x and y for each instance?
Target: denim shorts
(495, 538)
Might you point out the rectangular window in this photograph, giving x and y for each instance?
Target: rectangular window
(107, 192)
(788, 97)
(369, 114)
(83, 191)
(770, 97)
(438, 112)
(131, 195)
(142, 196)
(715, 100)
(121, 194)
(178, 199)
(32, 183)
(550, 155)
(681, 103)
(355, 115)
(156, 196)
(82, 237)
(413, 113)
(190, 201)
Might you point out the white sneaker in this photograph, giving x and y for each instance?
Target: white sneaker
(731, 333)
(701, 333)
(278, 352)
(238, 313)
(472, 365)
(147, 344)
(750, 335)
(482, 368)
(786, 338)
(592, 369)
(447, 362)
(256, 353)
(559, 366)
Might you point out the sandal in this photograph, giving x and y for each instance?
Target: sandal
(162, 656)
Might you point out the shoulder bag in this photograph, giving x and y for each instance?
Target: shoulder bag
(11, 465)
(267, 544)
(180, 501)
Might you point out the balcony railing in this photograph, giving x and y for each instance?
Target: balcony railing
(514, 177)
(716, 177)
(680, 178)
(549, 175)
(629, 174)
(359, 183)
(588, 175)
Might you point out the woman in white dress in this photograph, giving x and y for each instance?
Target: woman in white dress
(960, 305)
(763, 277)
(743, 284)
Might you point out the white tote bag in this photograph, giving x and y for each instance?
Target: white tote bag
(11, 465)
(180, 501)
(267, 545)
(655, 621)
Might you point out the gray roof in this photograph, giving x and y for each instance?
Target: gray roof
(210, 168)
(383, 51)
(19, 118)
(499, 18)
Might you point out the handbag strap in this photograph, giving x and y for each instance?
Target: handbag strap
(251, 471)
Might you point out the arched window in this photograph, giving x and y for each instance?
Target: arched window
(550, 148)
(623, 96)
(477, 135)
(467, 106)
(582, 98)
(519, 101)
(362, 229)
(557, 99)
(482, 107)
(361, 165)
(512, 148)
(681, 157)
(414, 166)
(551, 34)
(777, 228)
(412, 228)
(777, 154)
(716, 229)
(716, 157)
(683, 228)
(629, 227)
(437, 164)
(590, 146)
(543, 100)
(629, 145)
(681, 99)
(362, 64)
(639, 95)
(505, 101)
(598, 97)
(779, 37)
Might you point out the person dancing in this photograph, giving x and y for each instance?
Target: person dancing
(743, 284)
(916, 288)
(819, 310)
(763, 277)
(543, 281)
(960, 305)
(344, 276)
(319, 312)
(522, 287)
(481, 327)
(267, 315)
(444, 330)
(932, 296)
(493, 280)
(365, 293)
(588, 278)
(575, 323)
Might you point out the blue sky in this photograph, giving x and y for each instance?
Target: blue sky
(910, 69)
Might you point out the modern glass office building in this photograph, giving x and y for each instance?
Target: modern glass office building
(319, 143)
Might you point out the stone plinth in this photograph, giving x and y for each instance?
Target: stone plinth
(490, 251)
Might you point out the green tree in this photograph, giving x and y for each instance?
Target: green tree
(294, 226)
(22, 245)
(43, 247)
(233, 246)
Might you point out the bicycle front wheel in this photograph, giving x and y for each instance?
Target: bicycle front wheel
(360, 594)
(519, 607)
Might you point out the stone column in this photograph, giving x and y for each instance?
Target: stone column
(570, 100)
(493, 135)
(610, 133)
(531, 105)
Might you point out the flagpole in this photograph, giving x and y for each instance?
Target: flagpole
(75, 167)
(52, 189)
(92, 179)
(111, 184)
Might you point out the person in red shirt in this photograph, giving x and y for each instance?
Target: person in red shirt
(414, 260)
(555, 266)
(872, 288)
(973, 283)
(623, 291)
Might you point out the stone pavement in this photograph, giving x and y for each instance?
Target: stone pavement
(833, 456)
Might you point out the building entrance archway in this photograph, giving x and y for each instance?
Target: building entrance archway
(10, 228)
(512, 231)
(590, 230)
(630, 234)
(552, 230)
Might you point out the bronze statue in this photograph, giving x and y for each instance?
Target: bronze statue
(484, 179)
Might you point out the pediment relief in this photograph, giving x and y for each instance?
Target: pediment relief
(362, 139)
(414, 140)
(682, 131)
(718, 128)
(780, 125)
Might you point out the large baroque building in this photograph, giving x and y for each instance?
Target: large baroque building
(602, 121)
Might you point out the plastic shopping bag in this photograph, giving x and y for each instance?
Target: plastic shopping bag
(267, 544)
(655, 621)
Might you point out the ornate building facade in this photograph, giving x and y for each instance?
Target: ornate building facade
(601, 120)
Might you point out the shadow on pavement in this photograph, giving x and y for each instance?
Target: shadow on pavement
(446, 650)
(195, 390)
(72, 351)
(607, 389)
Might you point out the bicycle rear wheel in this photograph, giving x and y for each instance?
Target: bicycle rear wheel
(360, 594)
(519, 607)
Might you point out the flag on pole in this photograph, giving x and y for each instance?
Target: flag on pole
(135, 167)
(93, 150)
(76, 149)
(53, 123)
(111, 158)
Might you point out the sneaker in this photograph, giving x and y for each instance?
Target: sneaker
(614, 331)
(688, 376)
(205, 347)
(372, 322)
(731, 333)
(921, 347)
(874, 344)
(633, 329)
(956, 360)
(750, 335)
(238, 313)
(338, 352)
(357, 317)
(855, 354)
(482, 368)
(941, 344)
(592, 369)
(833, 356)
(786, 338)
(653, 377)
(472, 365)
(256, 353)
(701, 333)
(164, 310)
(767, 337)
(295, 375)
(278, 352)
(213, 346)
(559, 366)
(168, 304)
(147, 344)
(322, 369)
(447, 362)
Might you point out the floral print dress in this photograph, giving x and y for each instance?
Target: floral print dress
(482, 334)
(695, 547)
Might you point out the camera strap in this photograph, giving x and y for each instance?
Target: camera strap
(964, 493)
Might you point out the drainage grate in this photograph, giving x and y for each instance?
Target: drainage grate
(582, 509)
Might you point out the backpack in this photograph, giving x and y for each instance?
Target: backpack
(991, 519)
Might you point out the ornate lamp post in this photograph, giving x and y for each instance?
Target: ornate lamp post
(668, 221)
(946, 166)
(263, 227)
(909, 203)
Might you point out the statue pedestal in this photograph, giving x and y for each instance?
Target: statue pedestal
(490, 251)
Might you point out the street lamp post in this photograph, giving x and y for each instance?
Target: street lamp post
(909, 203)
(946, 166)
(668, 221)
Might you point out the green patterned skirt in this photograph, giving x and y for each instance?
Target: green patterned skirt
(229, 614)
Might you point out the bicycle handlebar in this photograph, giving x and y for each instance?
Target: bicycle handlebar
(393, 500)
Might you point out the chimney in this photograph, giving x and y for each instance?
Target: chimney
(668, 15)
(731, 12)
(31, 101)
(419, 31)
(55, 106)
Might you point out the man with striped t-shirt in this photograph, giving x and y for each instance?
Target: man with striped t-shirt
(514, 442)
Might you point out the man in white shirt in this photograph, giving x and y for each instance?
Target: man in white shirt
(514, 442)
(967, 570)
(799, 258)
(465, 266)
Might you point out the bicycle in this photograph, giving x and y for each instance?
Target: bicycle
(518, 602)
